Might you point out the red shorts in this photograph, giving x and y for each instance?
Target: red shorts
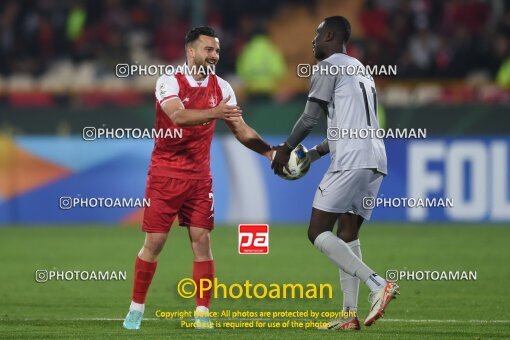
(189, 199)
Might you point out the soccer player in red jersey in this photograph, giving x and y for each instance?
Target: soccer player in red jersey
(179, 182)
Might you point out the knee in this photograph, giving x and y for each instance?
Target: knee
(348, 235)
(153, 246)
(201, 247)
(312, 235)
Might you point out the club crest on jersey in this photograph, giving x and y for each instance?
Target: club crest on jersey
(213, 101)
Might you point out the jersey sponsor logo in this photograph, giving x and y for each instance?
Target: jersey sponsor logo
(253, 239)
(185, 100)
(162, 90)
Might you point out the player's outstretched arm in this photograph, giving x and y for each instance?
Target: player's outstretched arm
(248, 136)
(175, 110)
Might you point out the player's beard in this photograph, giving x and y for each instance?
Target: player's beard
(204, 68)
(318, 54)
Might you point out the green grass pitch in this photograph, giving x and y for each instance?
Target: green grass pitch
(425, 309)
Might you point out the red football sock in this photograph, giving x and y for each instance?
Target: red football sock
(144, 271)
(203, 270)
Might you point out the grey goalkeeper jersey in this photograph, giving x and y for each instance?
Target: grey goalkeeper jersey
(350, 98)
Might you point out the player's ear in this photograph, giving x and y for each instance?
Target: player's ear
(330, 35)
(190, 51)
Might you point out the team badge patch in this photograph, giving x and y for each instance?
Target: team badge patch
(213, 101)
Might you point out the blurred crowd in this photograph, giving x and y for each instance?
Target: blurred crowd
(35, 34)
(437, 38)
(425, 38)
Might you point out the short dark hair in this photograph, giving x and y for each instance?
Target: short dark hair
(339, 25)
(196, 32)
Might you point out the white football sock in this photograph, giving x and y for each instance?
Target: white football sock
(375, 282)
(137, 306)
(349, 283)
(342, 256)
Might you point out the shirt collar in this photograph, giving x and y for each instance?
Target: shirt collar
(192, 82)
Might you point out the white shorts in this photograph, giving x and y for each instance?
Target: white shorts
(348, 191)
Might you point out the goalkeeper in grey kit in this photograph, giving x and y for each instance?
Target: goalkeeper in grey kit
(356, 171)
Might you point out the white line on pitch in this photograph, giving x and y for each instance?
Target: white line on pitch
(275, 319)
(444, 321)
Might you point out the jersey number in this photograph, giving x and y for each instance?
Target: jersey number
(366, 101)
(211, 196)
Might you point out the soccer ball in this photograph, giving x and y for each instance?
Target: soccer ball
(298, 164)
